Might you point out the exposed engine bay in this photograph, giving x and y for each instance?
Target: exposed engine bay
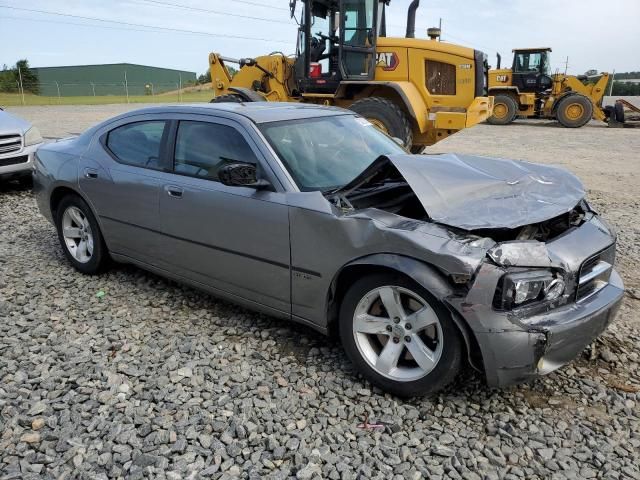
(471, 195)
(399, 199)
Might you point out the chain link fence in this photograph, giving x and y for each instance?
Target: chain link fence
(59, 93)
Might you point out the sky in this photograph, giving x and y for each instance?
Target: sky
(593, 34)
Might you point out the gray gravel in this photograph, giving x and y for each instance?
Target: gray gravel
(156, 380)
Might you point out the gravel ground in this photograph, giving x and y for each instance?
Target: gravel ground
(128, 375)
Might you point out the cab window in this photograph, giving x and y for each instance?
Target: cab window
(531, 62)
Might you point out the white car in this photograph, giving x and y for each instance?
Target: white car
(18, 142)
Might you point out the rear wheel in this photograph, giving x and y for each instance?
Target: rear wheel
(399, 336)
(618, 111)
(505, 110)
(387, 116)
(574, 111)
(80, 236)
(227, 98)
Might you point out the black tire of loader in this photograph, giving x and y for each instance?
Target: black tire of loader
(574, 99)
(227, 98)
(389, 114)
(512, 109)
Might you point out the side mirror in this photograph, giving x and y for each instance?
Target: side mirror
(241, 175)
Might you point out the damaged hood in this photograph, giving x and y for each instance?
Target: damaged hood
(472, 193)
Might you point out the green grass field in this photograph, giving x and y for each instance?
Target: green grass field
(15, 100)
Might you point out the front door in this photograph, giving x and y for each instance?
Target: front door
(530, 70)
(233, 239)
(358, 33)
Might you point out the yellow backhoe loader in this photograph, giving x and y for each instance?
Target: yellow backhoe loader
(528, 89)
(417, 90)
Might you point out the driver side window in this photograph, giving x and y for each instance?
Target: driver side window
(138, 144)
(202, 148)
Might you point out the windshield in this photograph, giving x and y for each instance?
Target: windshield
(328, 152)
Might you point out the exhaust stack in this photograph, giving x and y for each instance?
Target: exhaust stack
(411, 19)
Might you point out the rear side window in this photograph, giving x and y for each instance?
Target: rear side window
(441, 78)
(203, 148)
(138, 144)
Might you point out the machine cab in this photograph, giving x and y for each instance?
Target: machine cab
(532, 69)
(336, 41)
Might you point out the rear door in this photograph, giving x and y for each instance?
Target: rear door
(233, 239)
(121, 175)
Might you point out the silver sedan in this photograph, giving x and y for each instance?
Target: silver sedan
(419, 263)
(18, 142)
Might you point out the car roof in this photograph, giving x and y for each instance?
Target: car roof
(257, 112)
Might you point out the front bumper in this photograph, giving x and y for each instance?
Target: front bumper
(479, 110)
(551, 339)
(18, 164)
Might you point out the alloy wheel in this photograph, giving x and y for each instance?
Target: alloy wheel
(77, 234)
(397, 333)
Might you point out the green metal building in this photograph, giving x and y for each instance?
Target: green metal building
(110, 79)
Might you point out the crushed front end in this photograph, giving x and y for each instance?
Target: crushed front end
(535, 305)
(540, 285)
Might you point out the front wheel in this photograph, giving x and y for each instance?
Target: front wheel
(80, 236)
(399, 336)
(574, 111)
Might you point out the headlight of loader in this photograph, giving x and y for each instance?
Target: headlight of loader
(32, 137)
(523, 288)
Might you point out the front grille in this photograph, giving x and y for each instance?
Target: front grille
(10, 143)
(5, 162)
(595, 272)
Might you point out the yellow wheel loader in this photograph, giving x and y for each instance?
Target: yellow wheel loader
(417, 90)
(528, 89)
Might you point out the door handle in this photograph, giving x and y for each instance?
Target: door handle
(173, 191)
(90, 173)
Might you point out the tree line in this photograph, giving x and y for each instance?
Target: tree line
(206, 77)
(10, 78)
(624, 88)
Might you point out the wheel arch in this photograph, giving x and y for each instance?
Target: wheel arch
(418, 271)
(504, 90)
(60, 191)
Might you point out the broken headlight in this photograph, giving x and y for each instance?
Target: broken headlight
(523, 288)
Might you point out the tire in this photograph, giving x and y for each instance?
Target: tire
(227, 98)
(417, 149)
(574, 111)
(618, 111)
(73, 214)
(505, 110)
(368, 351)
(387, 116)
